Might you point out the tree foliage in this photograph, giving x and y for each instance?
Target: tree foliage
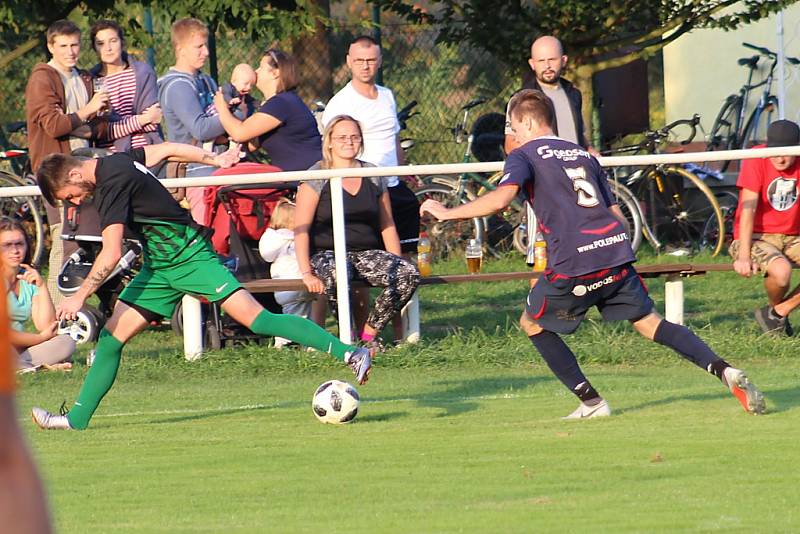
(598, 34)
(23, 22)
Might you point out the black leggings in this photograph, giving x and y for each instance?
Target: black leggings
(378, 268)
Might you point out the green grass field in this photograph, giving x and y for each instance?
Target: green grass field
(458, 434)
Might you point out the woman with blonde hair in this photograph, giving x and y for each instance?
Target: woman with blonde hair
(373, 247)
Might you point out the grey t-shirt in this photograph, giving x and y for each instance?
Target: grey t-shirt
(564, 118)
(565, 122)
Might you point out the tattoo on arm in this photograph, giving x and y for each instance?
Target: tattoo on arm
(96, 280)
(208, 158)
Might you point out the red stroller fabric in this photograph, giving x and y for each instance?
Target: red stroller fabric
(233, 208)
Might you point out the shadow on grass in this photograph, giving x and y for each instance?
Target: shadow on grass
(380, 418)
(462, 396)
(455, 397)
(221, 413)
(778, 400)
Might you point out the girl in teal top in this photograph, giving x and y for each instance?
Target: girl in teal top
(28, 298)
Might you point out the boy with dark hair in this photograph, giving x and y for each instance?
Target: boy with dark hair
(178, 259)
(591, 261)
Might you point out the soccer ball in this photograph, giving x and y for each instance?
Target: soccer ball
(335, 402)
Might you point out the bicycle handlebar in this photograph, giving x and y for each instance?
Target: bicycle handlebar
(760, 49)
(654, 137)
(693, 122)
(770, 54)
(473, 103)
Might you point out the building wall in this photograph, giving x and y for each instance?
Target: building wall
(700, 68)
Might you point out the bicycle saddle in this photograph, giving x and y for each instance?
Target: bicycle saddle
(748, 61)
(15, 126)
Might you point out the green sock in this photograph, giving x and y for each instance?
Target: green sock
(300, 331)
(99, 380)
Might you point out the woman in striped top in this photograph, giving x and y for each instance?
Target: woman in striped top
(131, 85)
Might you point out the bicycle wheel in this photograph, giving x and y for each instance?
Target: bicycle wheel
(678, 216)
(728, 203)
(448, 238)
(723, 131)
(755, 131)
(630, 208)
(24, 210)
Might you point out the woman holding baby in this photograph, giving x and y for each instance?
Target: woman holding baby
(283, 125)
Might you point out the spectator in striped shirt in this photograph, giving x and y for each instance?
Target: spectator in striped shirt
(131, 86)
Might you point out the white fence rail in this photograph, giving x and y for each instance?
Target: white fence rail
(193, 345)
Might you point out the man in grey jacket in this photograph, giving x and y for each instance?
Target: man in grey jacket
(186, 97)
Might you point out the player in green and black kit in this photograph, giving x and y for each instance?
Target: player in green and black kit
(178, 259)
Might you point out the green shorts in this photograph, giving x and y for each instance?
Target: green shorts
(159, 290)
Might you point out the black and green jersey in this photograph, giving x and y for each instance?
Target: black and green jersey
(128, 193)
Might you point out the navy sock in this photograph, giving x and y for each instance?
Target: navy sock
(560, 359)
(687, 344)
(587, 394)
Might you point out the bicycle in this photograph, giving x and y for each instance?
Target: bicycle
(670, 216)
(730, 130)
(495, 232)
(26, 210)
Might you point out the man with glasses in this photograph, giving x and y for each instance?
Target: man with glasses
(374, 107)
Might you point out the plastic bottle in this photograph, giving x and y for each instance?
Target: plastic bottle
(424, 255)
(539, 253)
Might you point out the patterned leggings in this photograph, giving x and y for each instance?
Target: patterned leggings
(378, 268)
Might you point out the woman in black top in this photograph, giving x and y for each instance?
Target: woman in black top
(373, 247)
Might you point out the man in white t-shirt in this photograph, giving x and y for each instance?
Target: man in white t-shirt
(374, 107)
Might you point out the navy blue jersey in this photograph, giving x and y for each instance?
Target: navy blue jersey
(570, 196)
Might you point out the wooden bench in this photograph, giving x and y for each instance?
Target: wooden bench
(647, 271)
(673, 292)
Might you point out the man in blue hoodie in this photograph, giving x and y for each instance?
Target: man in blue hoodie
(186, 96)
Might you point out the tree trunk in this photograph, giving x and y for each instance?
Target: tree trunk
(583, 81)
(313, 56)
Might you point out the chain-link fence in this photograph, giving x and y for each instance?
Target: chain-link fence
(441, 78)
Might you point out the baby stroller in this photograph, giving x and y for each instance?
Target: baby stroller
(82, 225)
(238, 215)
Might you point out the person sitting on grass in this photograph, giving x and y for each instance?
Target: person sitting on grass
(178, 260)
(28, 298)
(589, 253)
(373, 246)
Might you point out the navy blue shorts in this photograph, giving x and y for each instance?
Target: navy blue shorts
(559, 303)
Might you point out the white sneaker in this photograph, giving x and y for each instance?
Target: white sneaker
(602, 409)
(49, 421)
(745, 391)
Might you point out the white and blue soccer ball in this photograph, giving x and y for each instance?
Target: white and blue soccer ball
(335, 402)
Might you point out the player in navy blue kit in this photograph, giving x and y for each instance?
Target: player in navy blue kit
(589, 255)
